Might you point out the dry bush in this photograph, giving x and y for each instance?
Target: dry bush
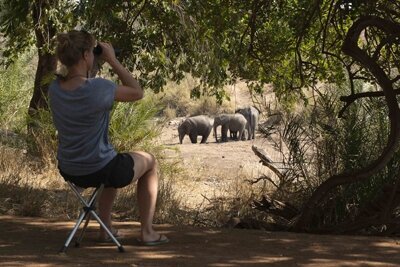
(211, 197)
(178, 103)
(175, 98)
(27, 185)
(315, 145)
(207, 105)
(169, 113)
(233, 199)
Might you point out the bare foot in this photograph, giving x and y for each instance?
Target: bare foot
(103, 236)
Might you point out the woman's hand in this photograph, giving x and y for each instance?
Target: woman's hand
(108, 54)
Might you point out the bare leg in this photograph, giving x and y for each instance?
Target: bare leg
(147, 189)
(106, 201)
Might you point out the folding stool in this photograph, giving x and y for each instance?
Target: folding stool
(88, 210)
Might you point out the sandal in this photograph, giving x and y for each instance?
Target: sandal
(161, 240)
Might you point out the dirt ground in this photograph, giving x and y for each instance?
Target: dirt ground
(211, 168)
(35, 242)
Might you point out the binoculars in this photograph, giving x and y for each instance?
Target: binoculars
(98, 50)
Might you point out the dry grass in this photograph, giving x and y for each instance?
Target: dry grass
(31, 187)
(28, 187)
(228, 199)
(177, 102)
(34, 188)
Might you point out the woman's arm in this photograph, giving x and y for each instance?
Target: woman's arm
(130, 90)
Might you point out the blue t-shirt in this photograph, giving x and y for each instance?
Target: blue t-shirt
(81, 117)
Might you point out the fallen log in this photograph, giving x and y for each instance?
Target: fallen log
(267, 161)
(276, 207)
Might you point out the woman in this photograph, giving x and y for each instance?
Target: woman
(81, 113)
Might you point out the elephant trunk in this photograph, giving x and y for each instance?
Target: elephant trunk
(181, 135)
(215, 132)
(181, 132)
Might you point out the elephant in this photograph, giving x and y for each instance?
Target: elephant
(251, 114)
(234, 135)
(195, 126)
(231, 122)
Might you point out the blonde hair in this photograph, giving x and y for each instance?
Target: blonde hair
(72, 45)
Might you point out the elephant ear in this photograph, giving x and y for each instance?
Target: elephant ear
(239, 110)
(226, 118)
(181, 121)
(256, 108)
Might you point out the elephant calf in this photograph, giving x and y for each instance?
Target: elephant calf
(234, 135)
(195, 126)
(232, 122)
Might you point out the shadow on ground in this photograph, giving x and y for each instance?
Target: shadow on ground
(33, 241)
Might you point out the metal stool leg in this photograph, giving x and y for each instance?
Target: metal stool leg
(88, 210)
(88, 206)
(73, 232)
(79, 239)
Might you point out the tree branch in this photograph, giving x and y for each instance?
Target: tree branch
(387, 40)
(351, 48)
(266, 161)
(351, 98)
(396, 79)
(263, 177)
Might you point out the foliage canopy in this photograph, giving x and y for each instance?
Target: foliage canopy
(291, 44)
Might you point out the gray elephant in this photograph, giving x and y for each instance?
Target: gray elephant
(251, 114)
(231, 122)
(195, 126)
(234, 135)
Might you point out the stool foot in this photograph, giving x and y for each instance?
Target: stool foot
(62, 250)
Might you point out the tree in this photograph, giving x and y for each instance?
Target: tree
(157, 38)
(385, 33)
(27, 23)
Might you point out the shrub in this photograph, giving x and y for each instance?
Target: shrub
(134, 126)
(315, 145)
(16, 83)
(178, 102)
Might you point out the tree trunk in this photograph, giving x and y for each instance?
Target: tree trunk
(46, 67)
(351, 48)
(47, 62)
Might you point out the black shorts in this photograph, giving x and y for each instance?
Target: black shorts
(117, 173)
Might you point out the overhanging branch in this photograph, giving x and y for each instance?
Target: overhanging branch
(351, 98)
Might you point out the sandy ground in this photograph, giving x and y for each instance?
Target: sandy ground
(35, 242)
(212, 168)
